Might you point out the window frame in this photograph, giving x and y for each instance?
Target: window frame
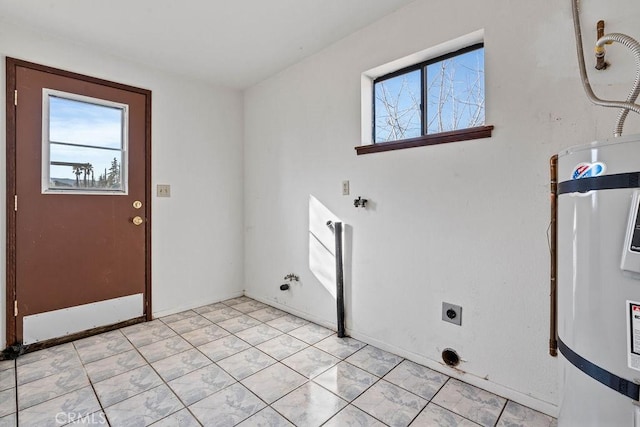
(123, 151)
(424, 139)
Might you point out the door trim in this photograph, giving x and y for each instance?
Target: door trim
(11, 66)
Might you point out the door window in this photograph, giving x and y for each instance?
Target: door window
(84, 147)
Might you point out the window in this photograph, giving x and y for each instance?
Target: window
(84, 142)
(435, 101)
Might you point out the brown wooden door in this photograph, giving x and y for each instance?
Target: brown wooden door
(76, 238)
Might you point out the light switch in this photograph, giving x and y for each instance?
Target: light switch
(163, 190)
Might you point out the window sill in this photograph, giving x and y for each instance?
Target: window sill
(433, 139)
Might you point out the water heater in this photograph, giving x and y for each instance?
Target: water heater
(599, 283)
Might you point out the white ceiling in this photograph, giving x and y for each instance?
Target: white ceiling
(234, 43)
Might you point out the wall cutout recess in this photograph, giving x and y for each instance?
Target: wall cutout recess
(452, 313)
(450, 357)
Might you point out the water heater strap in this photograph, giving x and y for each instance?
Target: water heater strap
(621, 385)
(602, 182)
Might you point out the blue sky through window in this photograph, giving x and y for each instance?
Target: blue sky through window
(397, 107)
(83, 133)
(455, 92)
(454, 98)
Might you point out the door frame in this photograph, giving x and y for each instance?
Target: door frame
(11, 66)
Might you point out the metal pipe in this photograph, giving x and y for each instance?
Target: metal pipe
(634, 46)
(339, 278)
(583, 71)
(600, 62)
(553, 244)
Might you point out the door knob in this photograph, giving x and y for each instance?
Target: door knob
(137, 220)
(137, 204)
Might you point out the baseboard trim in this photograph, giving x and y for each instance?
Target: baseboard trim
(495, 388)
(291, 310)
(196, 304)
(506, 392)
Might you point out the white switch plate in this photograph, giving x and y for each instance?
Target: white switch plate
(163, 190)
(345, 188)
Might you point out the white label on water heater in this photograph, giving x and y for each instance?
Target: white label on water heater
(631, 251)
(633, 333)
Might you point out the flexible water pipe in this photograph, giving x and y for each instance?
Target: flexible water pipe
(634, 46)
(626, 106)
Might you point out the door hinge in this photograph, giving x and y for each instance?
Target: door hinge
(15, 97)
(15, 202)
(15, 308)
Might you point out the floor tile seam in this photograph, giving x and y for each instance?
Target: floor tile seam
(273, 364)
(191, 330)
(102, 358)
(136, 346)
(252, 347)
(167, 323)
(54, 397)
(181, 334)
(372, 415)
(173, 413)
(420, 411)
(454, 412)
(223, 320)
(171, 355)
(231, 355)
(22, 356)
(336, 356)
(15, 381)
(501, 411)
(479, 388)
(319, 349)
(123, 372)
(8, 388)
(136, 394)
(263, 321)
(231, 332)
(209, 395)
(137, 349)
(352, 400)
(13, 361)
(104, 409)
(184, 405)
(296, 352)
(97, 400)
(282, 415)
(306, 342)
(263, 401)
(314, 376)
(411, 391)
(81, 365)
(260, 370)
(51, 398)
(351, 404)
(308, 380)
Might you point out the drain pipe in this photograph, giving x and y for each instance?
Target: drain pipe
(553, 242)
(336, 227)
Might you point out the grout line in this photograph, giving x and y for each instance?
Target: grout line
(506, 401)
(15, 380)
(307, 380)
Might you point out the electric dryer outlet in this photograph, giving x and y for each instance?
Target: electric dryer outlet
(452, 313)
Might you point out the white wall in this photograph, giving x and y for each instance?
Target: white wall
(464, 222)
(197, 148)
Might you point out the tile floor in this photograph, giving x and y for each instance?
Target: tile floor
(239, 362)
